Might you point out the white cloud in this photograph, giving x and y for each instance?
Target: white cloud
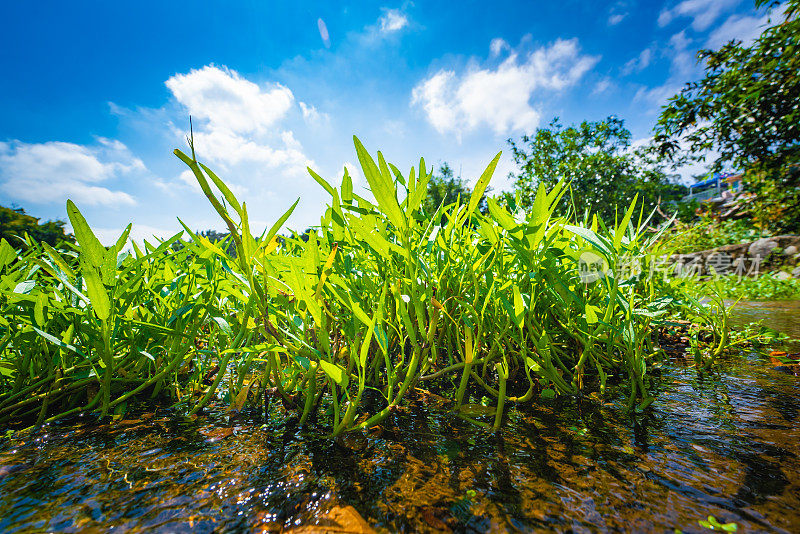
(500, 97)
(393, 20)
(230, 149)
(228, 101)
(616, 18)
(242, 120)
(702, 12)
(323, 33)
(312, 115)
(54, 171)
(740, 27)
(683, 66)
(639, 63)
(602, 86)
(497, 46)
(618, 12)
(657, 96)
(684, 60)
(139, 232)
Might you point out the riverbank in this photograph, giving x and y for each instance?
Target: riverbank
(779, 255)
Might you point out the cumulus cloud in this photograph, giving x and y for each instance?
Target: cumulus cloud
(228, 101)
(54, 171)
(393, 20)
(500, 97)
(241, 119)
(702, 12)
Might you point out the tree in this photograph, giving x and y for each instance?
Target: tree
(446, 187)
(747, 107)
(604, 171)
(15, 223)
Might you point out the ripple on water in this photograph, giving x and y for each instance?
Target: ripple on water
(724, 445)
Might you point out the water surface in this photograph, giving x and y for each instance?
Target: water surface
(726, 444)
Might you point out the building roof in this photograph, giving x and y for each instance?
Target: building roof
(713, 180)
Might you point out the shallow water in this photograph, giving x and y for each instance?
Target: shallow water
(780, 315)
(726, 445)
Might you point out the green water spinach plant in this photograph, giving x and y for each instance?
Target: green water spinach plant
(345, 321)
(77, 325)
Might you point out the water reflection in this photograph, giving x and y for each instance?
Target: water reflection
(725, 445)
(780, 315)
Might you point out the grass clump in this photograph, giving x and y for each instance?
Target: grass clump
(342, 324)
(766, 286)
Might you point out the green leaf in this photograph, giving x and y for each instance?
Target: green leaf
(539, 210)
(123, 238)
(532, 365)
(347, 187)
(91, 247)
(370, 236)
(55, 341)
(279, 223)
(500, 215)
(226, 192)
(620, 231)
(201, 179)
(336, 373)
(95, 290)
(108, 272)
(7, 253)
(600, 244)
(591, 313)
(420, 190)
(480, 186)
(24, 288)
(519, 308)
(381, 185)
(321, 181)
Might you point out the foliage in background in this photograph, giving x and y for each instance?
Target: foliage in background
(763, 287)
(707, 233)
(445, 189)
(746, 108)
(683, 211)
(597, 159)
(15, 223)
(380, 298)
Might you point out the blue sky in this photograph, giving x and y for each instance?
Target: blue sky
(94, 96)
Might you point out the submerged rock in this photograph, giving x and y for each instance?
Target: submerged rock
(338, 519)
